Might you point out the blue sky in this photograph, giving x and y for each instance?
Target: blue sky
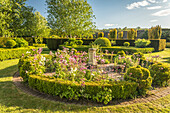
(123, 13)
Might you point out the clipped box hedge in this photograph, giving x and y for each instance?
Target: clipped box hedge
(70, 90)
(130, 50)
(53, 43)
(6, 54)
(157, 44)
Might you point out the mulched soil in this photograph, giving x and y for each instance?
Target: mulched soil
(153, 95)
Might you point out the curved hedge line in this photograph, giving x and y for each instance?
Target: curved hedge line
(6, 54)
(92, 90)
(130, 50)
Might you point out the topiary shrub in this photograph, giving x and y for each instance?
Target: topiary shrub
(21, 42)
(120, 35)
(100, 34)
(160, 73)
(132, 34)
(141, 76)
(127, 44)
(142, 43)
(102, 41)
(113, 34)
(79, 42)
(121, 53)
(10, 43)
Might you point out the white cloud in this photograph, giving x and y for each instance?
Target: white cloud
(165, 12)
(109, 25)
(137, 4)
(153, 20)
(164, 1)
(152, 1)
(155, 7)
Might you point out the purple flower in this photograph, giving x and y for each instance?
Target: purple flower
(50, 53)
(40, 50)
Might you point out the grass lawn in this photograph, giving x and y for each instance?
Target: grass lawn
(14, 100)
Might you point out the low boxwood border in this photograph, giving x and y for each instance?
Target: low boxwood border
(6, 54)
(130, 50)
(91, 90)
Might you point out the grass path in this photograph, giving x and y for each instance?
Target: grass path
(15, 101)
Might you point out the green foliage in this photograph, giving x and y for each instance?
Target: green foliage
(102, 41)
(121, 53)
(126, 44)
(91, 36)
(10, 43)
(113, 34)
(132, 34)
(120, 35)
(113, 43)
(137, 55)
(68, 20)
(20, 42)
(142, 43)
(155, 32)
(168, 45)
(79, 42)
(3, 41)
(38, 40)
(100, 34)
(95, 91)
(141, 76)
(6, 54)
(160, 73)
(39, 45)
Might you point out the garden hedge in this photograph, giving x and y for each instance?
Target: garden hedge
(53, 44)
(91, 90)
(168, 45)
(130, 50)
(157, 44)
(6, 54)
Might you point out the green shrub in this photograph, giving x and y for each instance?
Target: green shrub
(10, 43)
(137, 55)
(39, 45)
(113, 43)
(155, 32)
(141, 76)
(127, 44)
(120, 35)
(113, 34)
(21, 42)
(100, 34)
(168, 45)
(79, 42)
(3, 41)
(102, 41)
(6, 54)
(91, 36)
(142, 43)
(121, 53)
(95, 91)
(29, 40)
(132, 34)
(160, 73)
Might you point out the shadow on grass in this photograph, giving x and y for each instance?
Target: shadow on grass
(4, 72)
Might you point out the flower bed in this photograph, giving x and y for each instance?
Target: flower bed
(73, 79)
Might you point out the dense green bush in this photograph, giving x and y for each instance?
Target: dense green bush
(102, 41)
(113, 34)
(10, 43)
(6, 54)
(21, 42)
(120, 35)
(142, 43)
(100, 34)
(39, 45)
(3, 41)
(79, 42)
(155, 32)
(132, 34)
(141, 76)
(127, 44)
(160, 73)
(159, 44)
(92, 90)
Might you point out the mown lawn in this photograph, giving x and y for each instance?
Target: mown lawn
(14, 100)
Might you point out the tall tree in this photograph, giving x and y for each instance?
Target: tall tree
(71, 18)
